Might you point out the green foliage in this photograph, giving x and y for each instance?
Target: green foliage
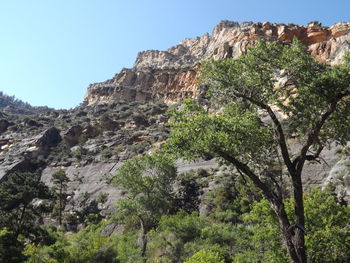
(87, 246)
(18, 216)
(16, 210)
(313, 86)
(60, 153)
(180, 236)
(249, 82)
(183, 237)
(102, 198)
(55, 253)
(10, 247)
(231, 198)
(205, 256)
(90, 247)
(199, 133)
(327, 239)
(242, 123)
(128, 250)
(189, 189)
(60, 179)
(60, 184)
(109, 152)
(262, 241)
(147, 180)
(167, 242)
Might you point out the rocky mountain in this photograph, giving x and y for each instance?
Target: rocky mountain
(170, 75)
(126, 115)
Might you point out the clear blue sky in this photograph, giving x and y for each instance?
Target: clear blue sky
(51, 50)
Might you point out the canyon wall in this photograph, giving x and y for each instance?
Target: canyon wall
(171, 75)
(91, 141)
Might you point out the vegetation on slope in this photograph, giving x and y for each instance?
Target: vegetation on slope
(254, 210)
(10, 104)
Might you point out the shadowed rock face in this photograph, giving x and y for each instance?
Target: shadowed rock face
(170, 75)
(22, 155)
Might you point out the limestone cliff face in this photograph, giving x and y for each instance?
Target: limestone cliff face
(168, 84)
(170, 75)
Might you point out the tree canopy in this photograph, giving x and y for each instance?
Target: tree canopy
(18, 215)
(147, 180)
(16, 209)
(257, 103)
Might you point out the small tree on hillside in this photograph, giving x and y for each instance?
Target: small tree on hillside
(60, 184)
(252, 130)
(148, 182)
(18, 215)
(17, 212)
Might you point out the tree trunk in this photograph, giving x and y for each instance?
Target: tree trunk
(299, 238)
(293, 234)
(20, 221)
(143, 239)
(278, 208)
(60, 207)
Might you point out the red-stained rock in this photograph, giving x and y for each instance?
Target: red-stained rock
(170, 74)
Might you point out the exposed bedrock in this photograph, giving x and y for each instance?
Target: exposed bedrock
(170, 75)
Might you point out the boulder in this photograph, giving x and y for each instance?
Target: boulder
(90, 131)
(72, 135)
(4, 124)
(48, 138)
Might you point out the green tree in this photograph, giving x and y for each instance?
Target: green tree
(60, 184)
(327, 240)
(18, 215)
(174, 232)
(86, 246)
(179, 236)
(148, 182)
(251, 132)
(10, 247)
(17, 211)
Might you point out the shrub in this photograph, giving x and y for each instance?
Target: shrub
(205, 256)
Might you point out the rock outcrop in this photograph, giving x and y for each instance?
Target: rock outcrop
(24, 155)
(170, 75)
(168, 84)
(89, 143)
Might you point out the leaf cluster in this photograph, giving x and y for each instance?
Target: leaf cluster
(197, 132)
(147, 180)
(289, 78)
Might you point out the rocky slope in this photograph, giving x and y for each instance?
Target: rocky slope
(11, 105)
(170, 75)
(126, 115)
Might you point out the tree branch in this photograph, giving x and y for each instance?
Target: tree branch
(313, 135)
(269, 193)
(281, 137)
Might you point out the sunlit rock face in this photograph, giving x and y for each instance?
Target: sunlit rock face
(166, 84)
(171, 75)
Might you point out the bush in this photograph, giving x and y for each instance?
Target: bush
(205, 256)
(87, 246)
(10, 248)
